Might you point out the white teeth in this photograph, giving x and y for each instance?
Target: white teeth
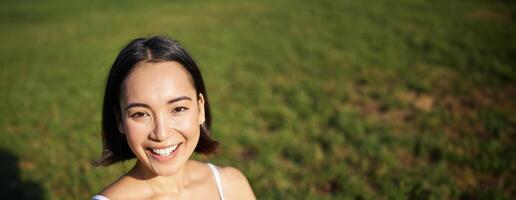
(165, 151)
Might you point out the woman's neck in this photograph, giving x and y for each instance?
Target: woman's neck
(174, 183)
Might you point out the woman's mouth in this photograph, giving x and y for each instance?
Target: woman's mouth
(164, 153)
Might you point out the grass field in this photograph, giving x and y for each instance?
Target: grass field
(373, 99)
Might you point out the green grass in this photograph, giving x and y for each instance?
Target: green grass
(312, 100)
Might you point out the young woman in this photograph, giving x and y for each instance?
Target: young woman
(156, 109)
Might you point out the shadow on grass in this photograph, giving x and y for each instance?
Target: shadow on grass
(11, 185)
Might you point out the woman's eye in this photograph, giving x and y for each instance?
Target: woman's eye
(139, 115)
(179, 109)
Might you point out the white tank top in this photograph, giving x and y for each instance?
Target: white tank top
(213, 170)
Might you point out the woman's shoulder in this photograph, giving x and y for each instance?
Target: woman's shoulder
(235, 184)
(232, 175)
(122, 188)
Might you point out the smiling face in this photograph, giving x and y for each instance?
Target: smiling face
(161, 115)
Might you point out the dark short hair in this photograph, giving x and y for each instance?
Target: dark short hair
(152, 49)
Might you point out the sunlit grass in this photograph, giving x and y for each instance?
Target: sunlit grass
(317, 100)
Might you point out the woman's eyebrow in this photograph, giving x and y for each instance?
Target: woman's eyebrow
(179, 99)
(131, 105)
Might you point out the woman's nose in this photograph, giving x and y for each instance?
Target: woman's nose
(159, 133)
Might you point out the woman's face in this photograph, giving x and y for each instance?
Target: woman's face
(161, 115)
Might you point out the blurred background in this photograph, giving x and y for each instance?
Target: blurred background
(372, 99)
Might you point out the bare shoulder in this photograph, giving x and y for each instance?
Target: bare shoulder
(113, 190)
(235, 184)
(121, 189)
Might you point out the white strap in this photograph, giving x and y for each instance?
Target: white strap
(217, 179)
(99, 197)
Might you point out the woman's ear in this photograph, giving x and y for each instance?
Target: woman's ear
(200, 104)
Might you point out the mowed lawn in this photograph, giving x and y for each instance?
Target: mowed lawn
(406, 99)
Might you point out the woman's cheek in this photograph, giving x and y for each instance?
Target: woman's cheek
(186, 125)
(137, 130)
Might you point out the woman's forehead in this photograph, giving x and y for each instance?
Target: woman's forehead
(157, 81)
